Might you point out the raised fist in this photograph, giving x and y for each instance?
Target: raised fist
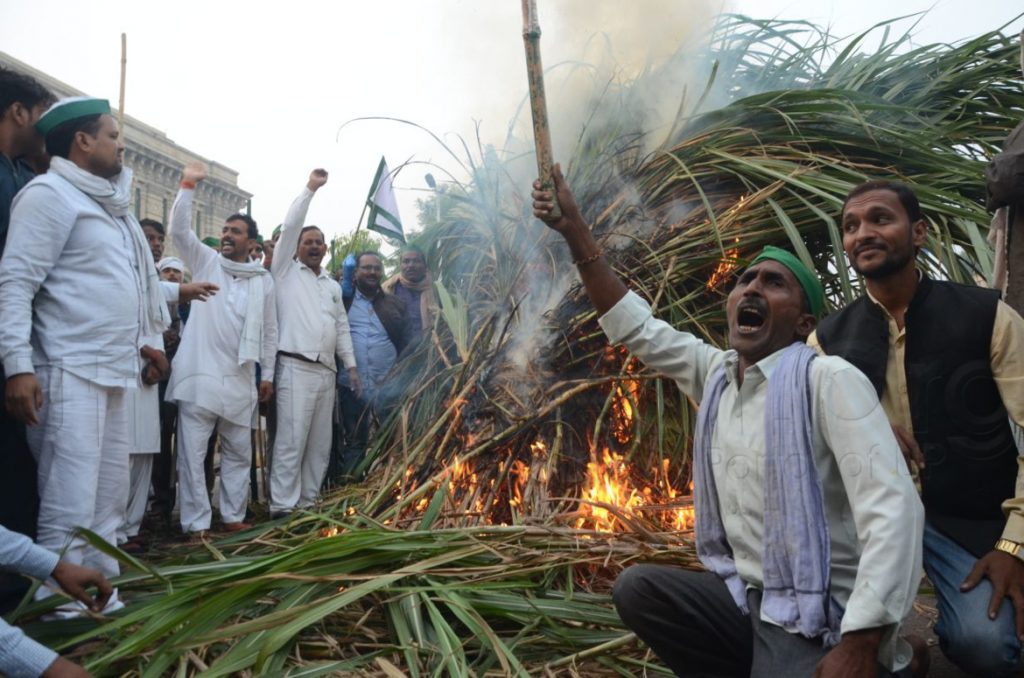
(194, 172)
(317, 178)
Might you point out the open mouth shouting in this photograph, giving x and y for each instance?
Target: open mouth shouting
(750, 317)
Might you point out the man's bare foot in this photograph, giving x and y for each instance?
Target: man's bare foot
(922, 660)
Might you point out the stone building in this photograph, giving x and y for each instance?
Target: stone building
(157, 162)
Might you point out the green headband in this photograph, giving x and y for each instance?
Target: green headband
(805, 276)
(71, 109)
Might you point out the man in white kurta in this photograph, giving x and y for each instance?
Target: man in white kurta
(78, 289)
(313, 330)
(873, 519)
(213, 379)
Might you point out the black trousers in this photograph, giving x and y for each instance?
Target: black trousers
(19, 496)
(692, 623)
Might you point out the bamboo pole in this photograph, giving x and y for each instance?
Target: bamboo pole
(124, 68)
(538, 100)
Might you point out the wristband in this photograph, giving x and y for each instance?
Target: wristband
(190, 185)
(589, 260)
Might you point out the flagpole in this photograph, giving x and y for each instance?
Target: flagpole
(352, 241)
(124, 68)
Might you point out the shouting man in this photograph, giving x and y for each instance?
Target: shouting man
(214, 376)
(314, 329)
(804, 517)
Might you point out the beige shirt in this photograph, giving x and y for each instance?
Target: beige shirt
(1007, 363)
(874, 515)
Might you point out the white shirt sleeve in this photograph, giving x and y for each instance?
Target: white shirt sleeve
(40, 226)
(887, 511)
(678, 355)
(171, 291)
(344, 348)
(190, 248)
(284, 252)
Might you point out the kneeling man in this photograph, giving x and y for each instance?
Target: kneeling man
(806, 519)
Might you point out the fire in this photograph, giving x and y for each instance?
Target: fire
(726, 265)
(610, 480)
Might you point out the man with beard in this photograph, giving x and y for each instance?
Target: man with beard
(379, 325)
(22, 101)
(214, 375)
(78, 287)
(947, 361)
(807, 526)
(313, 330)
(414, 285)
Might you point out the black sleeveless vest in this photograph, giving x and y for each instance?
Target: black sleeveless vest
(959, 418)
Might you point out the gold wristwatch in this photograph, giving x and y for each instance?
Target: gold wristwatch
(1011, 547)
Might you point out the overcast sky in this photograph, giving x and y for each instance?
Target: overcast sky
(265, 89)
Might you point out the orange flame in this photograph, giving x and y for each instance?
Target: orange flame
(726, 265)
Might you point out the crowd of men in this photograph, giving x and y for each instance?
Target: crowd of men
(811, 431)
(125, 371)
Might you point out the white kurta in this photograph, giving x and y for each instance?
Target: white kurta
(874, 515)
(314, 325)
(206, 370)
(71, 312)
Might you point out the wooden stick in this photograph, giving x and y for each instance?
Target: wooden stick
(124, 68)
(538, 101)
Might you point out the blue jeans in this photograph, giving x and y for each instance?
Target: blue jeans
(977, 644)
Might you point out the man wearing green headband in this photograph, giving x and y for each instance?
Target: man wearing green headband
(78, 288)
(808, 528)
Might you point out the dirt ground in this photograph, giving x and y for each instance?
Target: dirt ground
(921, 623)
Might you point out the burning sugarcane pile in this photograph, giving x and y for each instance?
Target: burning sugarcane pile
(527, 461)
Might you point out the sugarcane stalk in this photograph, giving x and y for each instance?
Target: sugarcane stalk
(538, 101)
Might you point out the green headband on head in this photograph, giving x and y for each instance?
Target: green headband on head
(805, 276)
(71, 109)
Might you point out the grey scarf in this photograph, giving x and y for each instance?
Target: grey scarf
(114, 196)
(797, 552)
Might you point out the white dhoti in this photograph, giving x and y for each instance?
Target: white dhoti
(302, 445)
(81, 447)
(195, 425)
(144, 436)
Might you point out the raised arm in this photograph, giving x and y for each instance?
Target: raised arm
(603, 287)
(193, 252)
(625, 318)
(284, 252)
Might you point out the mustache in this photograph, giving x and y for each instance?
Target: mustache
(870, 245)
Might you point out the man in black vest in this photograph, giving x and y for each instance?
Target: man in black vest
(947, 362)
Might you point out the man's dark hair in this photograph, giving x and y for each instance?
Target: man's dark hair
(154, 224)
(417, 250)
(368, 253)
(249, 221)
(309, 228)
(19, 88)
(60, 138)
(905, 194)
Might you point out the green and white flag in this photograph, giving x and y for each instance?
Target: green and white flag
(384, 217)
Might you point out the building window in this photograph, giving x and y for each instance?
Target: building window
(138, 203)
(199, 224)
(164, 211)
